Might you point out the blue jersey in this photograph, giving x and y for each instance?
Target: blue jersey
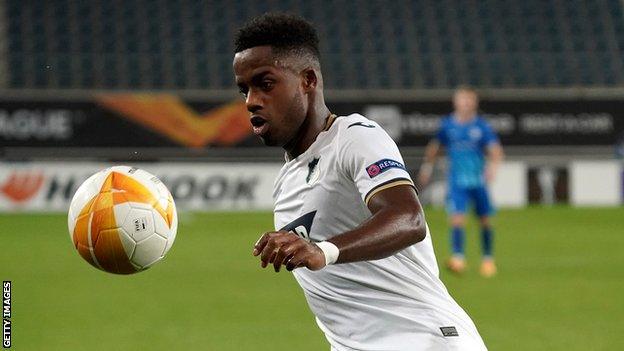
(466, 145)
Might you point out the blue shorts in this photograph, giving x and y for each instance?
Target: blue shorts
(458, 200)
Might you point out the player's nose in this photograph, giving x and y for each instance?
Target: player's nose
(253, 102)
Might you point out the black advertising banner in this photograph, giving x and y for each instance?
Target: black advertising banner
(135, 120)
(62, 124)
(516, 122)
(124, 120)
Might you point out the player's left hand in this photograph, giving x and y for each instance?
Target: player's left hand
(286, 248)
(490, 174)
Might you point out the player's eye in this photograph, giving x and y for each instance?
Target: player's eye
(243, 91)
(267, 85)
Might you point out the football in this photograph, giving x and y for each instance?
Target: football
(122, 220)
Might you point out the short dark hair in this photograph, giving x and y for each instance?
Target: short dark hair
(282, 31)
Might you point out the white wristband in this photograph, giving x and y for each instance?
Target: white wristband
(330, 251)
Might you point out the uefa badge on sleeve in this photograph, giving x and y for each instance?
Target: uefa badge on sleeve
(383, 165)
(373, 170)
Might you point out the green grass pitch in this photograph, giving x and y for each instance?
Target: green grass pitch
(560, 287)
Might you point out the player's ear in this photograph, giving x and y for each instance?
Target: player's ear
(310, 79)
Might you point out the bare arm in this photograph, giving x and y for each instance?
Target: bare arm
(431, 156)
(495, 156)
(397, 222)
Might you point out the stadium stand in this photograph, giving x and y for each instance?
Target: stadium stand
(186, 44)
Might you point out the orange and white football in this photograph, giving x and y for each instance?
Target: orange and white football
(122, 220)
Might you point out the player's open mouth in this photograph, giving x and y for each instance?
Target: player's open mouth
(259, 124)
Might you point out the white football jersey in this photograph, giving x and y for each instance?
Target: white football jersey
(396, 303)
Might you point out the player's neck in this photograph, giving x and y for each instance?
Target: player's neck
(465, 117)
(310, 129)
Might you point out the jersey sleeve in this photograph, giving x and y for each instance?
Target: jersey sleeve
(489, 136)
(441, 135)
(369, 157)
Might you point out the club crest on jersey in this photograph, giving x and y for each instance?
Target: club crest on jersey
(314, 171)
(381, 166)
(475, 133)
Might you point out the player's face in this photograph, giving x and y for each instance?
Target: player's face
(465, 103)
(273, 94)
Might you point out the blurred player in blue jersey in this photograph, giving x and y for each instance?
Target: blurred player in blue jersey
(474, 154)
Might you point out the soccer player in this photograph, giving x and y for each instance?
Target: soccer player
(348, 222)
(468, 139)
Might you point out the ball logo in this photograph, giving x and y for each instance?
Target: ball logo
(140, 224)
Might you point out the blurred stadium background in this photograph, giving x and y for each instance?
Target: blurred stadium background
(86, 84)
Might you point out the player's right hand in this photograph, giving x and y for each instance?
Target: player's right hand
(424, 178)
(286, 248)
(490, 174)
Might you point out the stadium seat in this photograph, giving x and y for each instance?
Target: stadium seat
(426, 44)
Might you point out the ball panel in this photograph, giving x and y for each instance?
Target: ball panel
(102, 201)
(82, 212)
(151, 183)
(172, 216)
(103, 216)
(163, 194)
(134, 188)
(121, 212)
(149, 251)
(84, 194)
(161, 226)
(110, 253)
(83, 198)
(140, 206)
(81, 238)
(170, 241)
(71, 225)
(155, 206)
(128, 243)
(85, 252)
(139, 224)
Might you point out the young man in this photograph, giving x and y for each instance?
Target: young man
(468, 139)
(347, 217)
